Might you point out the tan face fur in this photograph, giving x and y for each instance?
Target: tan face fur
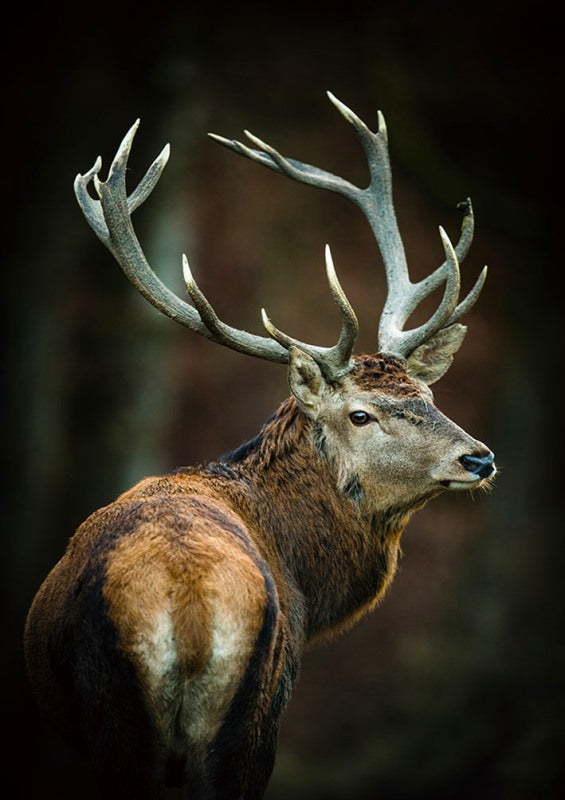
(392, 447)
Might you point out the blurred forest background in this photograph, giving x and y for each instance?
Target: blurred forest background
(454, 686)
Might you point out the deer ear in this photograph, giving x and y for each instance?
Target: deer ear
(307, 383)
(431, 360)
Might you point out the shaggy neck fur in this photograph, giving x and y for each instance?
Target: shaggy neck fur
(340, 555)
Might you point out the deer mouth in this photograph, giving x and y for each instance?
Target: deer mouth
(460, 486)
(473, 481)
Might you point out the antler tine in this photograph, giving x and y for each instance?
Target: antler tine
(391, 336)
(377, 205)
(427, 285)
(303, 173)
(335, 361)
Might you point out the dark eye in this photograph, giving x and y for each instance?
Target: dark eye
(359, 418)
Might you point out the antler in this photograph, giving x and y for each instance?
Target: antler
(376, 203)
(110, 219)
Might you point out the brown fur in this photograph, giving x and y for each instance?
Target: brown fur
(383, 372)
(172, 627)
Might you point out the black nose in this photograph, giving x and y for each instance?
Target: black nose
(483, 466)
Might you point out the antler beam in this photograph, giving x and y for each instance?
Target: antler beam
(110, 218)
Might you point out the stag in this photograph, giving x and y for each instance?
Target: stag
(166, 641)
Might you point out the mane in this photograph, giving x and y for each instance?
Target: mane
(279, 435)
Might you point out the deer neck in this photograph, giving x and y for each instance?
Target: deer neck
(339, 555)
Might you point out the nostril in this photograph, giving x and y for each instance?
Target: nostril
(471, 463)
(483, 466)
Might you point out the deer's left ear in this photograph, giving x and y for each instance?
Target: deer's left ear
(307, 383)
(431, 360)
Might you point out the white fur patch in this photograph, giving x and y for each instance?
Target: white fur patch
(206, 698)
(190, 711)
(157, 650)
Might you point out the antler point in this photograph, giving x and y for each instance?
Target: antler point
(94, 170)
(381, 122)
(271, 329)
(447, 245)
(344, 110)
(186, 271)
(256, 140)
(330, 268)
(221, 139)
(133, 130)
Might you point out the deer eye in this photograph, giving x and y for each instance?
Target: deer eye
(360, 418)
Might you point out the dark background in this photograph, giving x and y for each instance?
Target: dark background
(454, 687)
